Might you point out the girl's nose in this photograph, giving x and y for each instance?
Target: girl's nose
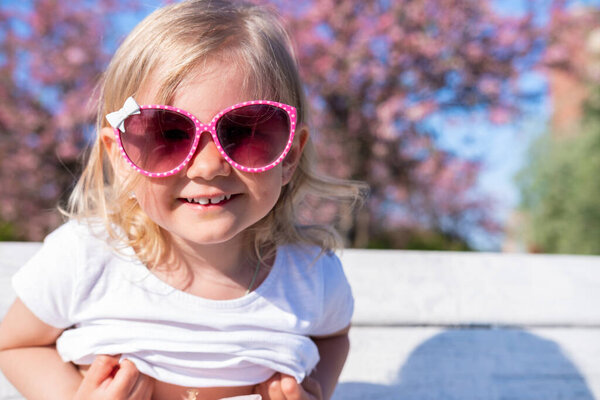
(207, 163)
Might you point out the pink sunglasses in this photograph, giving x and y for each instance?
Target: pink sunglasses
(159, 140)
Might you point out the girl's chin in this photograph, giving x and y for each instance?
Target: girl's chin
(208, 232)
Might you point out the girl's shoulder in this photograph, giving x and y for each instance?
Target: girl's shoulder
(81, 239)
(309, 263)
(78, 232)
(66, 267)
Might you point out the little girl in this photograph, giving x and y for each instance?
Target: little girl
(183, 272)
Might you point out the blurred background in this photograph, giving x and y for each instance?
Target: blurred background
(475, 123)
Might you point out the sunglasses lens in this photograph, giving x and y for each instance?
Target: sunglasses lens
(158, 140)
(255, 135)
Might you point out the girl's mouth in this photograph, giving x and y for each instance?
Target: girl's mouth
(208, 201)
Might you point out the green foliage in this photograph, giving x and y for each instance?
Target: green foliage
(561, 189)
(7, 232)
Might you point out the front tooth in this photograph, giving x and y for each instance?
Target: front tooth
(217, 199)
(203, 201)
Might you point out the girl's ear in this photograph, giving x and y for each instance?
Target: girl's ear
(107, 136)
(292, 159)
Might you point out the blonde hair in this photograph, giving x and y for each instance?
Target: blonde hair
(165, 48)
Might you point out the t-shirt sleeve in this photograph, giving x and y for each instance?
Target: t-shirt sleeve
(338, 302)
(46, 283)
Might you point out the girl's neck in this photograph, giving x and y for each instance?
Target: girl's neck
(216, 271)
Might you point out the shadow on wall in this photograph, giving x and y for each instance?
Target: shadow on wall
(479, 364)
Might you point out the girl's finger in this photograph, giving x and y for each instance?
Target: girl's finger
(125, 378)
(292, 389)
(274, 388)
(101, 369)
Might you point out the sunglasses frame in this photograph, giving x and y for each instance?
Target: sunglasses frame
(211, 128)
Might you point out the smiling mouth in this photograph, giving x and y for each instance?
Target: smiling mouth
(207, 201)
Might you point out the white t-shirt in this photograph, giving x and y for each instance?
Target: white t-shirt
(111, 304)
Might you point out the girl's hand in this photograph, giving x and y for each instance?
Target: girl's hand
(107, 379)
(285, 387)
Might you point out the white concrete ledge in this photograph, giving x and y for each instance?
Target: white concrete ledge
(452, 288)
(447, 325)
(472, 326)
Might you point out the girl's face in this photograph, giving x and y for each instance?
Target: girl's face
(209, 201)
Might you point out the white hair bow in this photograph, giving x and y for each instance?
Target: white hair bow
(117, 119)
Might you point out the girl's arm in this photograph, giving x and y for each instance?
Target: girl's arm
(333, 350)
(29, 359)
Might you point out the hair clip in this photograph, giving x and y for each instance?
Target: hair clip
(117, 119)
